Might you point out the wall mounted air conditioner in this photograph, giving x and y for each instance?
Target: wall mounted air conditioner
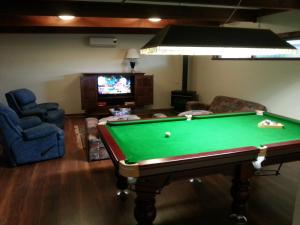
(105, 42)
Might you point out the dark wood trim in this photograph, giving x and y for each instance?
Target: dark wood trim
(114, 150)
(194, 161)
(79, 115)
(52, 24)
(281, 159)
(77, 30)
(283, 148)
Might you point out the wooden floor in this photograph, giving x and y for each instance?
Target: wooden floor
(72, 191)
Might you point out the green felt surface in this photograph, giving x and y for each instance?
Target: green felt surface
(145, 139)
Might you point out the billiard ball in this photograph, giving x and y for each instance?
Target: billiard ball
(168, 134)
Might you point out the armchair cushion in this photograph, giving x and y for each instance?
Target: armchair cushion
(35, 111)
(24, 96)
(39, 131)
(30, 121)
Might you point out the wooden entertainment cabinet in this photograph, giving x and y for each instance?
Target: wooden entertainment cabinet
(92, 103)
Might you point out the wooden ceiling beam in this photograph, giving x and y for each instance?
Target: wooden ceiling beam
(78, 30)
(89, 24)
(97, 9)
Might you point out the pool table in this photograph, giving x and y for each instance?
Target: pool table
(231, 144)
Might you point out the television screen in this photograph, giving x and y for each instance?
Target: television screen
(114, 84)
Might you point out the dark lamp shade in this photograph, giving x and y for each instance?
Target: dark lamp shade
(193, 40)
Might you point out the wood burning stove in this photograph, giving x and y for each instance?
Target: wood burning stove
(180, 97)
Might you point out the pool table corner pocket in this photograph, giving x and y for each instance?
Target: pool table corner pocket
(129, 170)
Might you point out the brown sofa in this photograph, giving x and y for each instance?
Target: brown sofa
(224, 104)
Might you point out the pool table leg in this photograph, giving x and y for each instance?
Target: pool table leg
(240, 192)
(122, 186)
(146, 189)
(145, 210)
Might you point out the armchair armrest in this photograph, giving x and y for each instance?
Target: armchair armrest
(49, 105)
(39, 131)
(192, 105)
(30, 121)
(35, 111)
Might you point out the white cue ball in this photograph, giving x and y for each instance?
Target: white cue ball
(168, 134)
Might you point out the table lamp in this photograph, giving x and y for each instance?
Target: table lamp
(132, 55)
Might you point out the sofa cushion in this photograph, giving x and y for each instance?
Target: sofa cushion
(224, 104)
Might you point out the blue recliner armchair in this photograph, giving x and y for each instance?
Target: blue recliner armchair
(23, 101)
(28, 140)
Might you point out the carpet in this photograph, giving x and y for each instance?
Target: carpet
(90, 143)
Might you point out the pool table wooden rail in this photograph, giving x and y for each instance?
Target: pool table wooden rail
(187, 162)
(176, 163)
(282, 152)
(276, 153)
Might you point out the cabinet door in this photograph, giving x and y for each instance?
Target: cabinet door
(89, 95)
(143, 90)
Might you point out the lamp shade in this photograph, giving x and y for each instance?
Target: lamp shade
(193, 40)
(132, 53)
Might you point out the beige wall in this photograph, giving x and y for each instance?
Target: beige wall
(50, 65)
(273, 83)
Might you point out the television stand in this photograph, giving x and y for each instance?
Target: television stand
(92, 102)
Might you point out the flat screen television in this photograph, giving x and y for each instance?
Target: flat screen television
(110, 85)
